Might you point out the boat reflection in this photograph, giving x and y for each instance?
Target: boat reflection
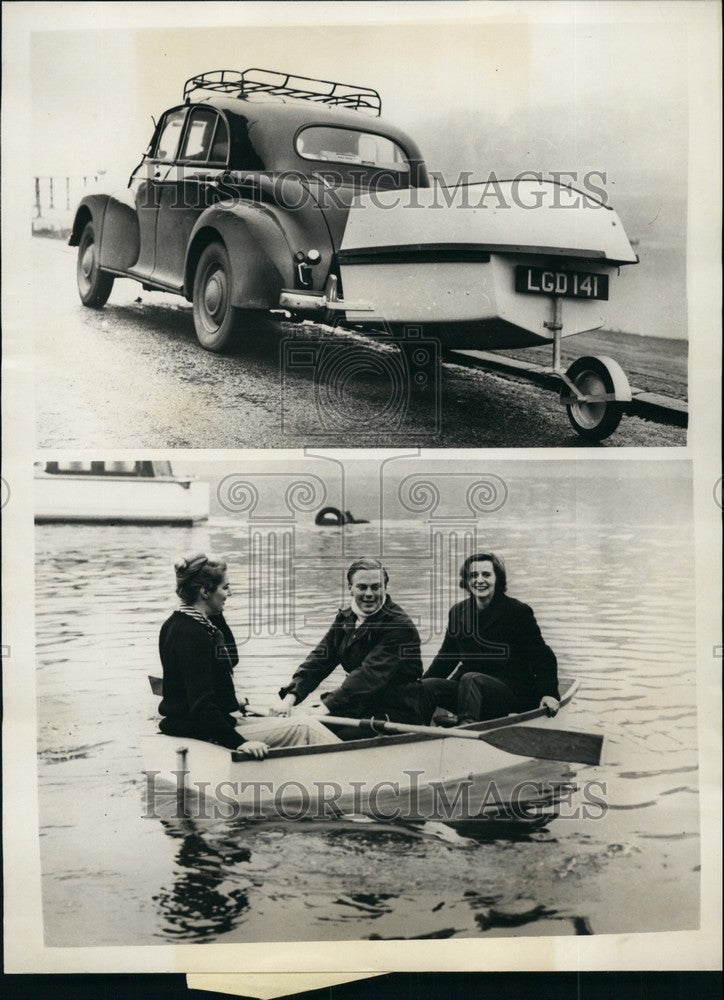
(208, 895)
(216, 875)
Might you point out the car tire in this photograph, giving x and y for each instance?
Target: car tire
(593, 421)
(94, 285)
(218, 324)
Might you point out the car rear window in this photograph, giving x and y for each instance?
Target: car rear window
(350, 146)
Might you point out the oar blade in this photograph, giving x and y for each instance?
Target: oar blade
(548, 744)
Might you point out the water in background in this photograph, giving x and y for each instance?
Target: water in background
(616, 603)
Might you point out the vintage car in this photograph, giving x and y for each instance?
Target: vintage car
(265, 192)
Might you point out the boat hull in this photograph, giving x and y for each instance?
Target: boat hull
(448, 263)
(411, 777)
(107, 499)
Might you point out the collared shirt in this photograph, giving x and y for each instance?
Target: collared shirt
(198, 616)
(360, 616)
(380, 654)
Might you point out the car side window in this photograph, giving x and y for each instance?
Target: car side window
(168, 138)
(206, 138)
(220, 147)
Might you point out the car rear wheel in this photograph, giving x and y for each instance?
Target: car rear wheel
(218, 324)
(594, 420)
(94, 285)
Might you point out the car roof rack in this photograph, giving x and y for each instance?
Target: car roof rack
(269, 81)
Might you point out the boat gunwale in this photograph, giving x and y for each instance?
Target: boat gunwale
(239, 757)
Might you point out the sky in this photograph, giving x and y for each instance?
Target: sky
(488, 88)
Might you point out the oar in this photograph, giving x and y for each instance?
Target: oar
(526, 741)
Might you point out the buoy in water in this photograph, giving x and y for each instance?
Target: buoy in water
(333, 517)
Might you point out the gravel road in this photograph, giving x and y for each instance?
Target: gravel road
(132, 375)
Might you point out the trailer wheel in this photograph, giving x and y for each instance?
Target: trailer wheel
(594, 421)
(94, 285)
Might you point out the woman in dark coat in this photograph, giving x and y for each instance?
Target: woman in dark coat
(198, 653)
(494, 649)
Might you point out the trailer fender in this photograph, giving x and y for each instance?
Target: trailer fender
(621, 390)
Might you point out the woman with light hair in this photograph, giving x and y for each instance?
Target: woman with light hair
(198, 653)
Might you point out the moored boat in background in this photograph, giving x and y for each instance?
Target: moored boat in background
(134, 492)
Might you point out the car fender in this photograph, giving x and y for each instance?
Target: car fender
(260, 256)
(121, 235)
(91, 208)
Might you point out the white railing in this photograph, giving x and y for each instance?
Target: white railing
(55, 199)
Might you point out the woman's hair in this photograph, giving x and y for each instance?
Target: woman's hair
(367, 563)
(501, 577)
(197, 573)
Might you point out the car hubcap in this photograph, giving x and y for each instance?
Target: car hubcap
(590, 415)
(86, 263)
(215, 296)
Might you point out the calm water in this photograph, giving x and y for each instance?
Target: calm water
(615, 604)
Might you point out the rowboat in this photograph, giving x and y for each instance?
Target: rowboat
(438, 774)
(124, 492)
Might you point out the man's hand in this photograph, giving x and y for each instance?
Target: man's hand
(320, 709)
(550, 704)
(283, 706)
(255, 748)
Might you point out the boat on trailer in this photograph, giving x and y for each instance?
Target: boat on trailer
(412, 776)
(124, 492)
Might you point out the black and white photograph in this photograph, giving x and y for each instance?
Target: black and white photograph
(359, 699)
(361, 489)
(462, 236)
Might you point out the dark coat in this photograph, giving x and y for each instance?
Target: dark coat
(503, 641)
(198, 689)
(383, 664)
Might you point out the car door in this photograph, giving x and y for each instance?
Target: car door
(148, 184)
(189, 188)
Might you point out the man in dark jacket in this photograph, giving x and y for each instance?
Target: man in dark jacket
(378, 646)
(494, 649)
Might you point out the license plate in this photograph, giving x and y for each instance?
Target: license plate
(569, 284)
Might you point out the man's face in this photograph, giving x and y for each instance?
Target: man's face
(481, 579)
(368, 590)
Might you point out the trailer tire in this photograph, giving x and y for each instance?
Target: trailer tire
(592, 420)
